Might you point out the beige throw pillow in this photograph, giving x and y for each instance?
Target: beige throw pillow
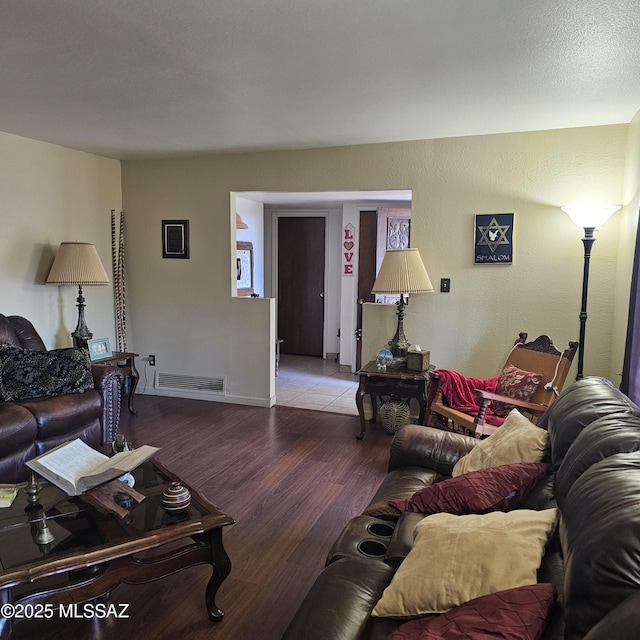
(517, 440)
(457, 558)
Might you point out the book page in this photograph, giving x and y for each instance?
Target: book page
(128, 460)
(75, 467)
(116, 466)
(73, 460)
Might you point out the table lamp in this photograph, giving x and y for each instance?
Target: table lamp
(78, 263)
(401, 272)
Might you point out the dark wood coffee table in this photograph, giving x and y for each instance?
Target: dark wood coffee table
(94, 550)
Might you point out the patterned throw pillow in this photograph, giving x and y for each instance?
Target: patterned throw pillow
(25, 373)
(515, 383)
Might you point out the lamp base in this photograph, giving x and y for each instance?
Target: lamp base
(398, 345)
(81, 334)
(80, 339)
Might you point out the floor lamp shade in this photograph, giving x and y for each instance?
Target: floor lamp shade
(78, 263)
(401, 272)
(590, 216)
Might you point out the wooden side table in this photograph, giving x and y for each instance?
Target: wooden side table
(379, 382)
(125, 360)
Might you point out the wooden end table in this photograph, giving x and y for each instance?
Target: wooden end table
(380, 382)
(93, 550)
(125, 360)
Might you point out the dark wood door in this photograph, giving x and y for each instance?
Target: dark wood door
(366, 272)
(301, 285)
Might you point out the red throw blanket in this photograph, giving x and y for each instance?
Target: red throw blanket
(458, 392)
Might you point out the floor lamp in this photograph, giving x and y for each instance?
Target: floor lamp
(588, 216)
(78, 263)
(401, 272)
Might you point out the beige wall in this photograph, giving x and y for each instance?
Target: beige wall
(49, 194)
(181, 310)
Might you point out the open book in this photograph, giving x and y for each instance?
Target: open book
(75, 467)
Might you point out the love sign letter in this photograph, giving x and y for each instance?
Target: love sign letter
(348, 243)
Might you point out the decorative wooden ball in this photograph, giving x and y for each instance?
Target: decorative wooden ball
(176, 497)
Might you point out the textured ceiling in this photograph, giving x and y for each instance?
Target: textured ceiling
(137, 78)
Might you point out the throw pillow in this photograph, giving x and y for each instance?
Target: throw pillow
(515, 383)
(457, 558)
(513, 614)
(25, 373)
(500, 488)
(517, 440)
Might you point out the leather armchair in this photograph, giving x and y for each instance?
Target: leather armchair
(32, 426)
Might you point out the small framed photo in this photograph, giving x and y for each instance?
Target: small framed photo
(99, 349)
(175, 239)
(382, 298)
(494, 238)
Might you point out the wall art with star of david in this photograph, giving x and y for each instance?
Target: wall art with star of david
(494, 238)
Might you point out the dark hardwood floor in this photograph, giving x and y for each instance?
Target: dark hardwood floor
(291, 478)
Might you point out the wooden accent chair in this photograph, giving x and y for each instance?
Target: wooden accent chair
(474, 405)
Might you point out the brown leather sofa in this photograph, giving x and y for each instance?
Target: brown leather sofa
(593, 559)
(32, 426)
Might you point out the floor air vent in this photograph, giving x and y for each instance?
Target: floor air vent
(181, 382)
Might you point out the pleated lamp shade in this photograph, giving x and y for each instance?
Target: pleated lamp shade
(77, 263)
(402, 271)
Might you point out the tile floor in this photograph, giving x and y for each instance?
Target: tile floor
(313, 383)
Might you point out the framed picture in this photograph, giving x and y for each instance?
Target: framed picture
(494, 238)
(382, 298)
(175, 239)
(244, 268)
(99, 348)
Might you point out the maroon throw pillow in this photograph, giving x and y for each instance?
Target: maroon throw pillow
(515, 614)
(501, 488)
(515, 383)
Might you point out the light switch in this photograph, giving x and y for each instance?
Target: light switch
(445, 285)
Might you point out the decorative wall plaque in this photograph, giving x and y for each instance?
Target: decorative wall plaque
(494, 238)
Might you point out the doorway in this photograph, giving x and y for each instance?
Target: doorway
(300, 276)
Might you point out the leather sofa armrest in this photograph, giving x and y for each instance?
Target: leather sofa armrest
(417, 446)
(103, 375)
(340, 602)
(107, 381)
(402, 539)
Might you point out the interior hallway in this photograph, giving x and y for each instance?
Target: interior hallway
(313, 383)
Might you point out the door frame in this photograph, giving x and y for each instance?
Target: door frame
(302, 213)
